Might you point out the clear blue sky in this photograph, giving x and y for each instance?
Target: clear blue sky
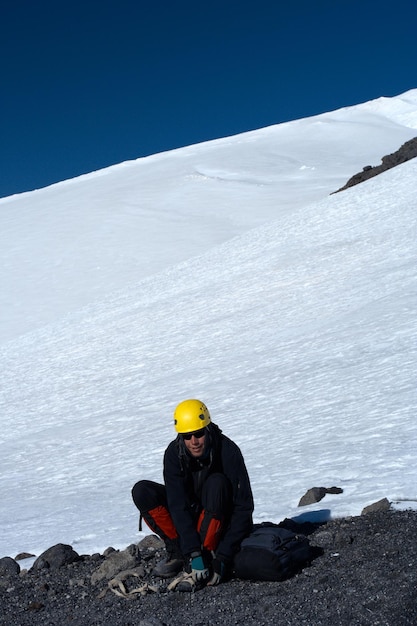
(89, 83)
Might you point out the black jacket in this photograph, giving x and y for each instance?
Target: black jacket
(184, 477)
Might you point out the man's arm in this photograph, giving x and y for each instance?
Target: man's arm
(241, 518)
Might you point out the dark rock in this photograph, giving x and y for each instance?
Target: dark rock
(406, 152)
(381, 505)
(151, 542)
(55, 557)
(9, 567)
(35, 606)
(117, 562)
(316, 494)
(134, 551)
(23, 555)
(334, 490)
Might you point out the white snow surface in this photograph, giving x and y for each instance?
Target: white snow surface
(224, 271)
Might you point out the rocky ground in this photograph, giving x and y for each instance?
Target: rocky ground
(405, 153)
(365, 574)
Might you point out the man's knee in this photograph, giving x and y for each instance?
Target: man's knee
(216, 494)
(147, 495)
(218, 481)
(150, 499)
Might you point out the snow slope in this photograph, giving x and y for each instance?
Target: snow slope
(293, 319)
(67, 245)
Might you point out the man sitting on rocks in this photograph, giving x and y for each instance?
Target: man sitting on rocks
(204, 510)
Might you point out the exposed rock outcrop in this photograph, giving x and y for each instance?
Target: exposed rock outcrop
(406, 152)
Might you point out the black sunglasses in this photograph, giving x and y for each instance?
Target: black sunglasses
(197, 434)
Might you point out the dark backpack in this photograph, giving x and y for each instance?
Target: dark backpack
(272, 553)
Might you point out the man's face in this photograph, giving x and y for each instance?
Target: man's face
(194, 442)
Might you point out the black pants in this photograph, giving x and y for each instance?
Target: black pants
(210, 517)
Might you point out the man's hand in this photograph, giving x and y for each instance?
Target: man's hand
(218, 572)
(199, 571)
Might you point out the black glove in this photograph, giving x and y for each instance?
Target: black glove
(218, 568)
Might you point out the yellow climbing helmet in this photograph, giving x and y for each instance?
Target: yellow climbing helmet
(190, 416)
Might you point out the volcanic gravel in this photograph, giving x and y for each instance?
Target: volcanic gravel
(365, 573)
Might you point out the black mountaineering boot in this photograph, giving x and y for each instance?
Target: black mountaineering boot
(173, 563)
